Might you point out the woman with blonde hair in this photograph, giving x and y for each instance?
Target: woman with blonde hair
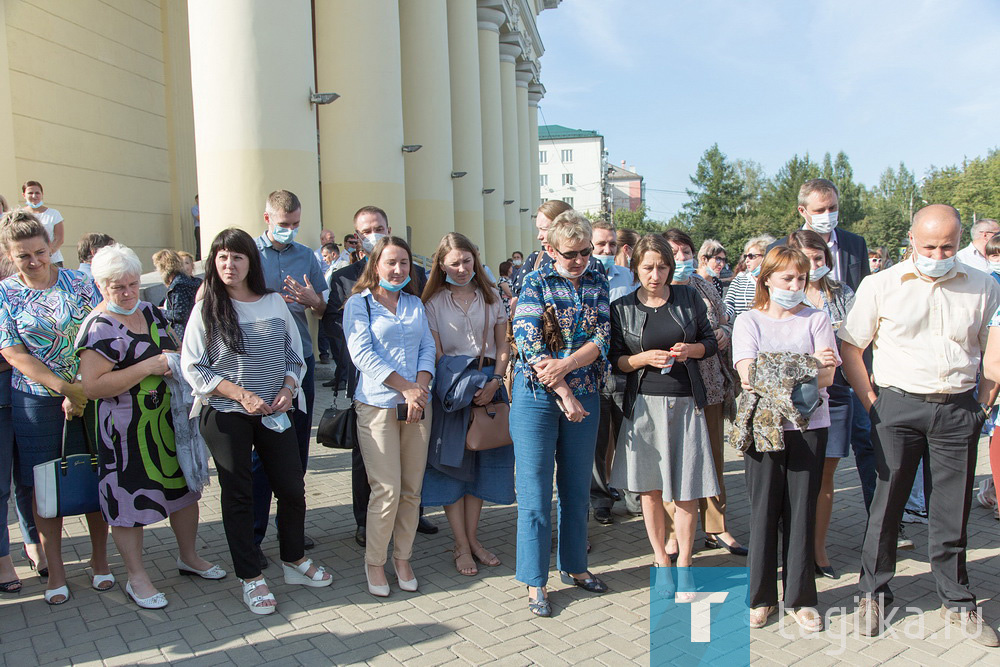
(562, 332)
(182, 289)
(711, 262)
(462, 305)
(744, 286)
(391, 345)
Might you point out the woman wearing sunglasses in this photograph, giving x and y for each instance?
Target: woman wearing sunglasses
(562, 330)
(744, 286)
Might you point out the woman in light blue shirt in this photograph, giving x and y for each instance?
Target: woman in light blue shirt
(391, 345)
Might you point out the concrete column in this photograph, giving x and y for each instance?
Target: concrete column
(361, 134)
(511, 159)
(10, 188)
(524, 161)
(180, 123)
(535, 93)
(430, 207)
(466, 119)
(255, 130)
(494, 221)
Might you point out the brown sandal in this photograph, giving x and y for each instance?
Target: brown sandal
(485, 557)
(467, 571)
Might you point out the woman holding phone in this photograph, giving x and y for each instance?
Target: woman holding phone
(391, 344)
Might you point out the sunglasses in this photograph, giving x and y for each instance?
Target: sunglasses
(573, 254)
(752, 255)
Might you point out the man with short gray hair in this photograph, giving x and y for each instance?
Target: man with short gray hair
(974, 254)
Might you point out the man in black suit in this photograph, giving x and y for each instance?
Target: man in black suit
(370, 224)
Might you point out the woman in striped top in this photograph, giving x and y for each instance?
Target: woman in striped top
(243, 356)
(743, 288)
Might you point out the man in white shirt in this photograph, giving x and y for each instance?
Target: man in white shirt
(974, 254)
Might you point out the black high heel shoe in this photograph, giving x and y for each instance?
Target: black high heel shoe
(540, 605)
(714, 542)
(591, 584)
(43, 573)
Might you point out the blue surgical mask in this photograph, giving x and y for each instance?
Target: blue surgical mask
(38, 205)
(114, 308)
(712, 272)
(787, 299)
(284, 235)
(277, 422)
(451, 281)
(995, 267)
(755, 272)
(389, 287)
(816, 274)
(933, 268)
(683, 270)
(607, 261)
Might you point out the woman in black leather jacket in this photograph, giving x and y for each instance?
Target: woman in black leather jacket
(664, 454)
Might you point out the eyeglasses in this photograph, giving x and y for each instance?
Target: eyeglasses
(718, 258)
(753, 255)
(573, 254)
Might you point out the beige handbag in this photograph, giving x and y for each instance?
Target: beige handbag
(489, 425)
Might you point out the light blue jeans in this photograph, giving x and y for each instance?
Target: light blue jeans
(545, 441)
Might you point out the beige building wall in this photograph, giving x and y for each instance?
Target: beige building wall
(89, 117)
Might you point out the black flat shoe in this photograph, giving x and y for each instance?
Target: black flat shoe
(715, 542)
(602, 515)
(539, 606)
(360, 537)
(826, 571)
(426, 527)
(308, 543)
(591, 584)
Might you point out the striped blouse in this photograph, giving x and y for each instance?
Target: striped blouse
(584, 316)
(273, 351)
(740, 296)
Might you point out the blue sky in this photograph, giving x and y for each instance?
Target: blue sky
(885, 81)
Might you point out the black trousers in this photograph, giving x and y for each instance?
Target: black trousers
(231, 437)
(783, 488)
(610, 423)
(905, 430)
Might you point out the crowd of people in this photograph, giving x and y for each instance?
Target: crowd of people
(625, 362)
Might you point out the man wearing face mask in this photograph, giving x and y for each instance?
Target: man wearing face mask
(370, 224)
(928, 318)
(292, 270)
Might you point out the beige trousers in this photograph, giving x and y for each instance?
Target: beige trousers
(713, 509)
(395, 455)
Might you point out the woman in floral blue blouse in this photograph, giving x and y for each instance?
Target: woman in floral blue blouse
(562, 331)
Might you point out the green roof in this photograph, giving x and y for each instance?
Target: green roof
(562, 132)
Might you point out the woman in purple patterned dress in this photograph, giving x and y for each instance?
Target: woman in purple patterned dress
(123, 346)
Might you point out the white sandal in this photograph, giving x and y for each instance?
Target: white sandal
(253, 601)
(103, 579)
(52, 593)
(296, 574)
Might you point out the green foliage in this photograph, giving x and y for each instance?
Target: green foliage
(636, 220)
(733, 200)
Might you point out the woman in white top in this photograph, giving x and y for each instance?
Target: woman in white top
(50, 218)
(242, 355)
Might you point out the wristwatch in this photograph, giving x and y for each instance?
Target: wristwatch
(498, 378)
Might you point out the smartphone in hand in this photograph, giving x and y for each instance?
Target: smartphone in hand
(402, 412)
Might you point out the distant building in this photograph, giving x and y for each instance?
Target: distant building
(570, 164)
(628, 190)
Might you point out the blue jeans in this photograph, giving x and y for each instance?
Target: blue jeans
(6, 459)
(302, 423)
(916, 501)
(864, 451)
(545, 440)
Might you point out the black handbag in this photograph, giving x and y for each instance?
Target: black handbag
(338, 427)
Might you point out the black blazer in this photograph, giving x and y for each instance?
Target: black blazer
(628, 322)
(852, 256)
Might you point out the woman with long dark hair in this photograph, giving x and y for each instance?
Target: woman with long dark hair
(243, 356)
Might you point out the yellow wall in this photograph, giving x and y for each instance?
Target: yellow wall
(87, 91)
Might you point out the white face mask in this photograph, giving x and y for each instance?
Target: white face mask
(368, 242)
(816, 274)
(566, 273)
(933, 268)
(823, 223)
(995, 267)
(787, 299)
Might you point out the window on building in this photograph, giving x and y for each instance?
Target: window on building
(543, 156)
(543, 180)
(567, 179)
(566, 155)
(568, 200)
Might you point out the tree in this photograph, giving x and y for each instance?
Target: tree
(716, 198)
(780, 200)
(973, 188)
(635, 220)
(889, 207)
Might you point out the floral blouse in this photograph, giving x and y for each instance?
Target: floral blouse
(584, 316)
(716, 371)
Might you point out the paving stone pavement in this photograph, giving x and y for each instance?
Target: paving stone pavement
(456, 619)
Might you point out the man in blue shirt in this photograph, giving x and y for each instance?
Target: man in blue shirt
(291, 269)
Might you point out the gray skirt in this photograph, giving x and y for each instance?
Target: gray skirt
(665, 447)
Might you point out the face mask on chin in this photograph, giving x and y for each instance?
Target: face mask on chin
(451, 281)
(566, 273)
(391, 287)
(816, 274)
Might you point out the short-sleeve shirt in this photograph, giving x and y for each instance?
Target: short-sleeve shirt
(49, 219)
(461, 332)
(46, 322)
(295, 260)
(806, 331)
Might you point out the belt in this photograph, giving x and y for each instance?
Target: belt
(933, 398)
(489, 362)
